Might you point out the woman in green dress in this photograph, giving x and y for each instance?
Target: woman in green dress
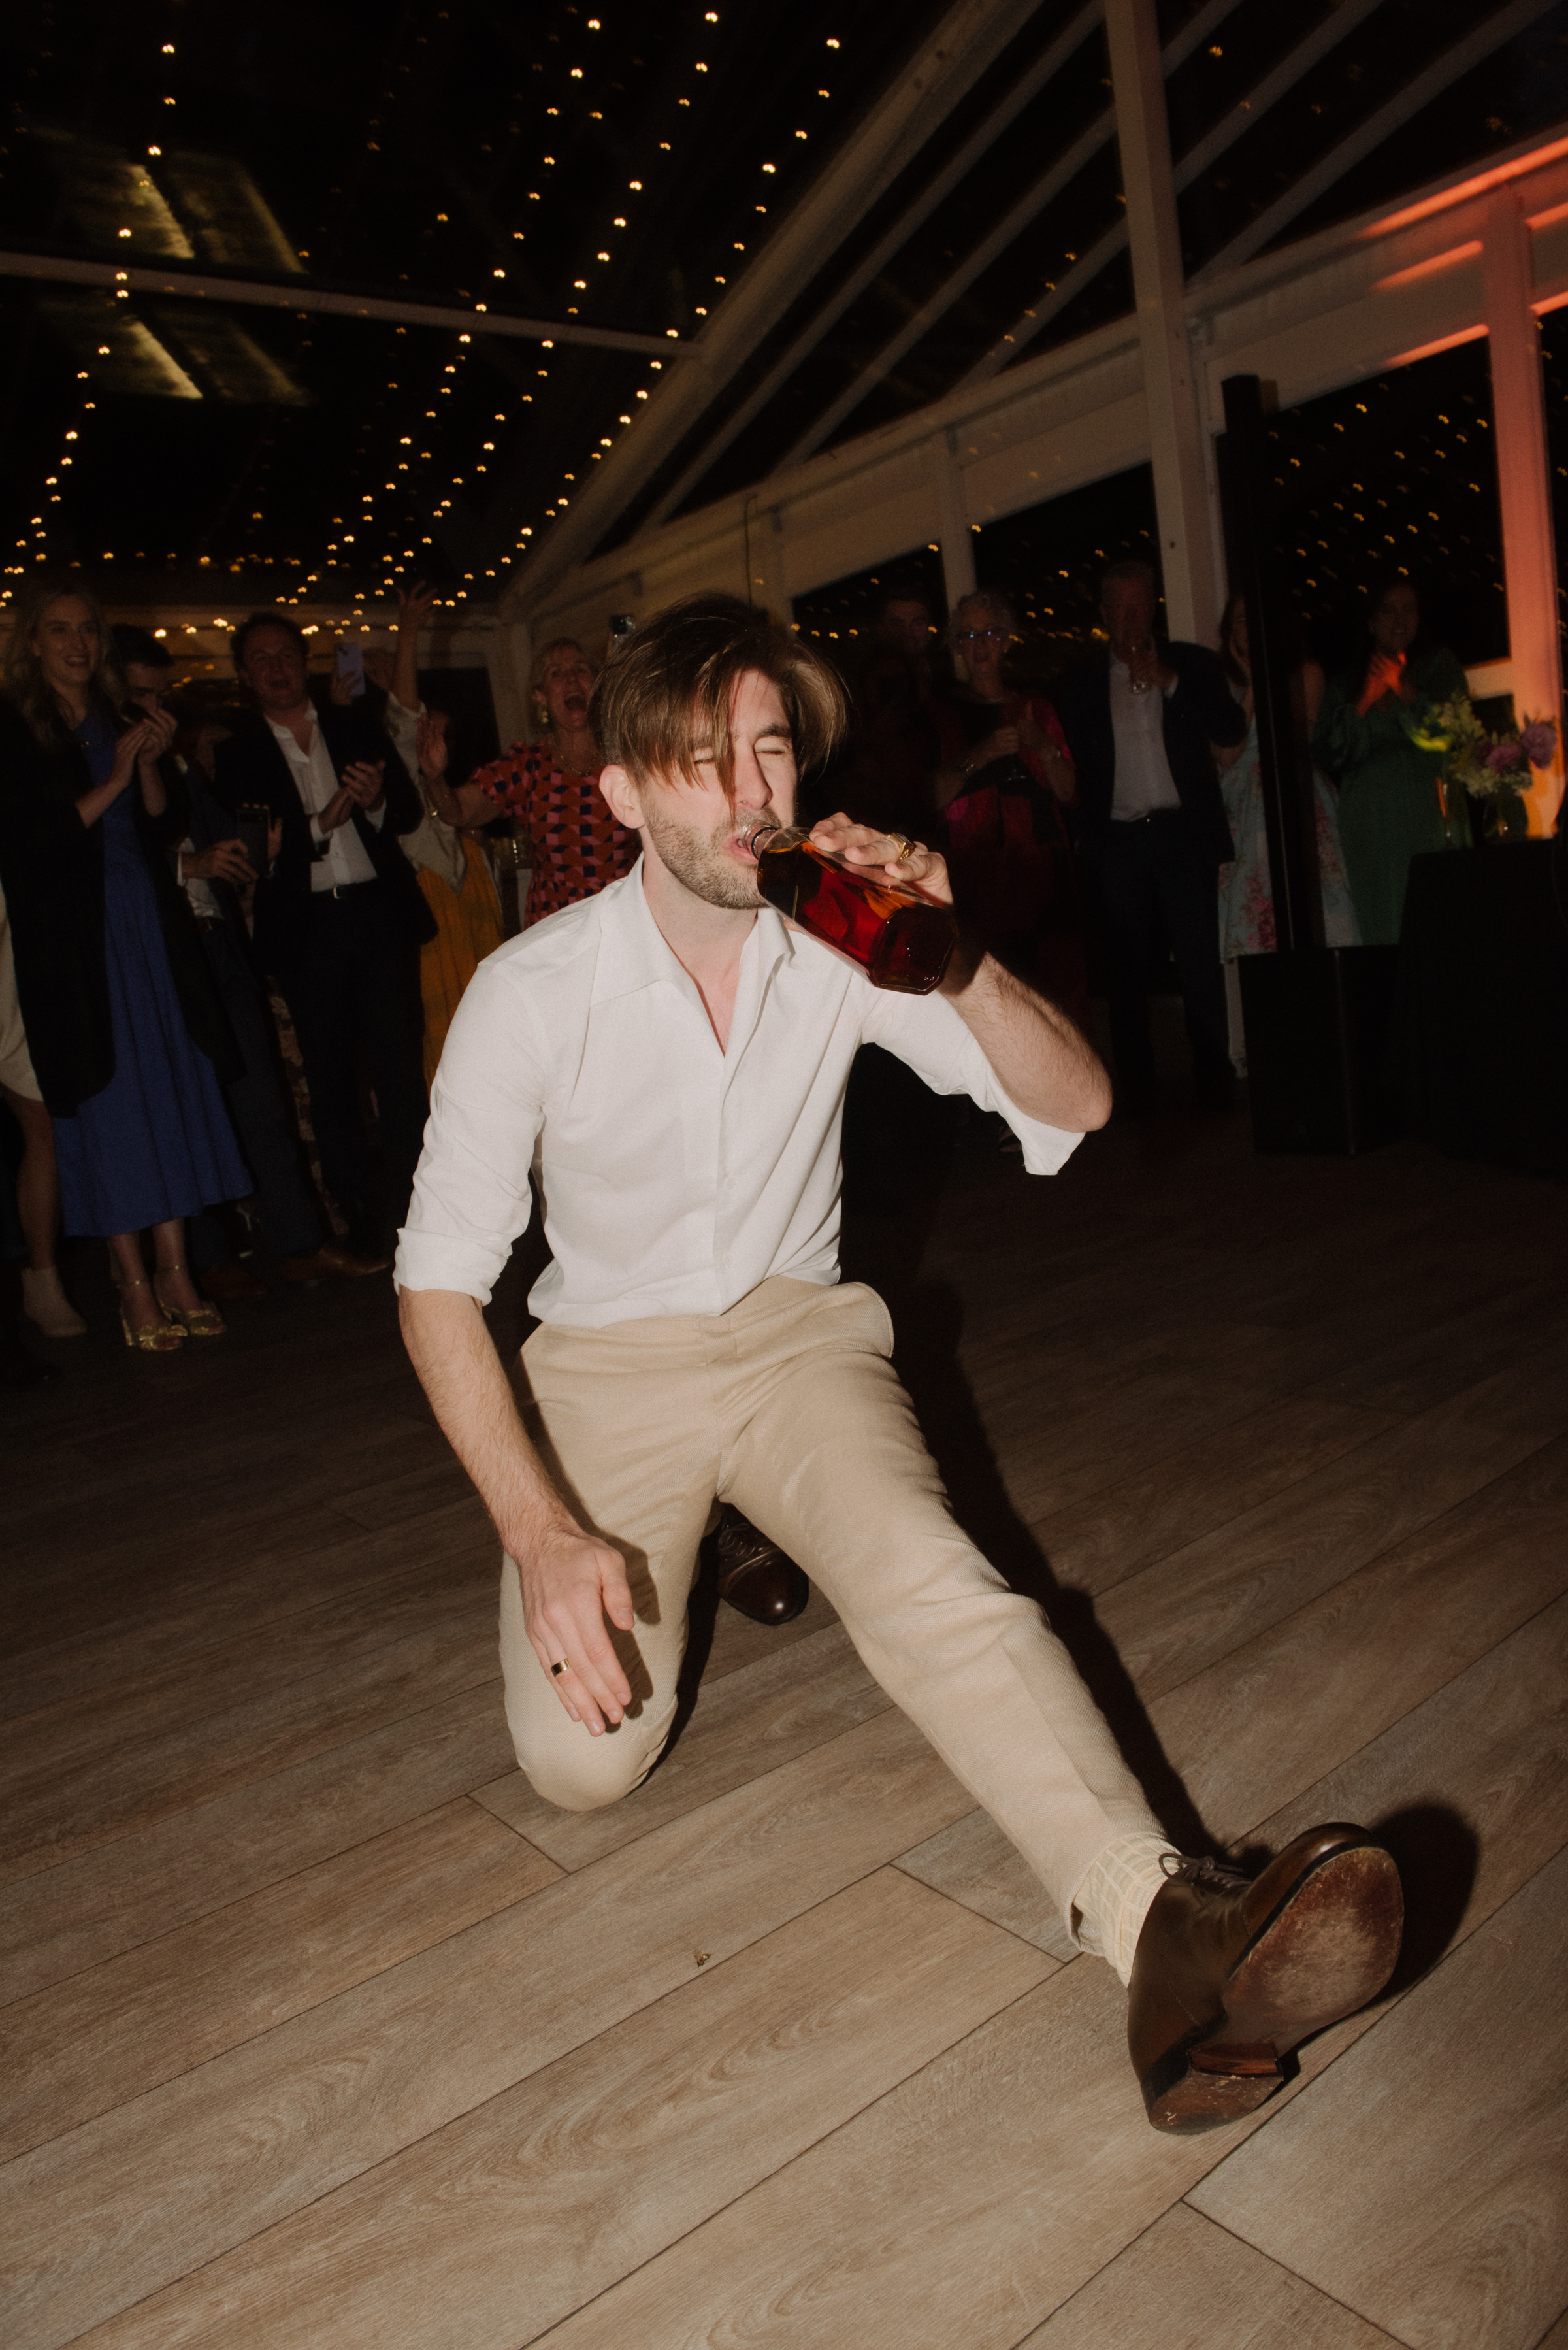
(1390, 805)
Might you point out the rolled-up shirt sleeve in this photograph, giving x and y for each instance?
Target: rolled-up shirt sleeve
(928, 1034)
(471, 1196)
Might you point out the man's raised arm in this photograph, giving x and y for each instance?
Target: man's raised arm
(571, 1580)
(1042, 1062)
(1041, 1059)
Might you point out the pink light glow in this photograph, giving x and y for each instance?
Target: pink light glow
(1429, 268)
(1467, 189)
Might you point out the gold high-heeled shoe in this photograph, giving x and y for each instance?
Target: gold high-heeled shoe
(191, 1321)
(163, 1337)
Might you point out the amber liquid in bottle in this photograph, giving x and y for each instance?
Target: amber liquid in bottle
(899, 939)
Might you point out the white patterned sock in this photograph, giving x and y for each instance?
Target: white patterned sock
(1111, 1904)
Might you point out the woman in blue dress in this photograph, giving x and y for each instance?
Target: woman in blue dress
(123, 1024)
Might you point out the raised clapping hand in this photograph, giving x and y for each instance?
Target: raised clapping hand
(571, 1582)
(361, 786)
(1384, 674)
(908, 862)
(160, 730)
(144, 740)
(1002, 744)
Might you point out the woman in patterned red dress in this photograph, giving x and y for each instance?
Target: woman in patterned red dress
(551, 786)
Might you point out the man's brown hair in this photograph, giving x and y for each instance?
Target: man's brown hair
(667, 694)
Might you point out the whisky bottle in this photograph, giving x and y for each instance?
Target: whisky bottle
(900, 939)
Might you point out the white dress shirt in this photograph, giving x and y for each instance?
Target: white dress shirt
(1143, 779)
(432, 847)
(675, 1177)
(348, 861)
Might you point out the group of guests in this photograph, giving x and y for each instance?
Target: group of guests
(1131, 804)
(175, 899)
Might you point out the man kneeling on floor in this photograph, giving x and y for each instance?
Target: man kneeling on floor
(678, 1054)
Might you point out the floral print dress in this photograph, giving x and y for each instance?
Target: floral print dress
(1246, 891)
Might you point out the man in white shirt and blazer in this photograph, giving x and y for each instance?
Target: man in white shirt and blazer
(340, 920)
(1152, 832)
(672, 1057)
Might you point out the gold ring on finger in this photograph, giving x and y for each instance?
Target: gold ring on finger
(564, 1666)
(905, 845)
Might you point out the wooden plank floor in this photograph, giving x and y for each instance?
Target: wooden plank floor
(320, 2028)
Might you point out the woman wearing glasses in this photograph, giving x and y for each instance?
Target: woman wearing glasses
(1005, 782)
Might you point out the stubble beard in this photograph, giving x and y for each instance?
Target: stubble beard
(697, 862)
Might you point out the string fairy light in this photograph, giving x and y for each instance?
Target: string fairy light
(402, 481)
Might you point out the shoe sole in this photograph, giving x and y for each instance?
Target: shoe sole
(1329, 1946)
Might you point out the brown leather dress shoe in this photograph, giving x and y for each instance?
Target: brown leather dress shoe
(331, 1263)
(754, 1576)
(1230, 1974)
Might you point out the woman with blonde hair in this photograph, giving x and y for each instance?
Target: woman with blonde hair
(551, 786)
(124, 1025)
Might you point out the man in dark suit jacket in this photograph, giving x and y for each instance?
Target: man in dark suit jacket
(1140, 719)
(340, 920)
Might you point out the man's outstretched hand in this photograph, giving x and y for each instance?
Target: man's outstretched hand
(571, 1582)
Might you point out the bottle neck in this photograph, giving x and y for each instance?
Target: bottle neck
(771, 835)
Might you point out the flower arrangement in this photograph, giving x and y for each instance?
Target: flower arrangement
(1488, 766)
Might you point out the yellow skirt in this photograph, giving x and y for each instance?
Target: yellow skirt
(468, 928)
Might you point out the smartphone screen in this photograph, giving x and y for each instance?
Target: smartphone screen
(352, 665)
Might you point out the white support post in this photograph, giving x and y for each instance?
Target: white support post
(508, 654)
(1175, 429)
(953, 532)
(766, 583)
(1524, 484)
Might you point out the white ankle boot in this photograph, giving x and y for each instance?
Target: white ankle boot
(45, 1303)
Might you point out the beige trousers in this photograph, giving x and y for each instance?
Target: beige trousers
(788, 1407)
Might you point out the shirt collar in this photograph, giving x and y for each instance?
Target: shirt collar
(290, 741)
(634, 953)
